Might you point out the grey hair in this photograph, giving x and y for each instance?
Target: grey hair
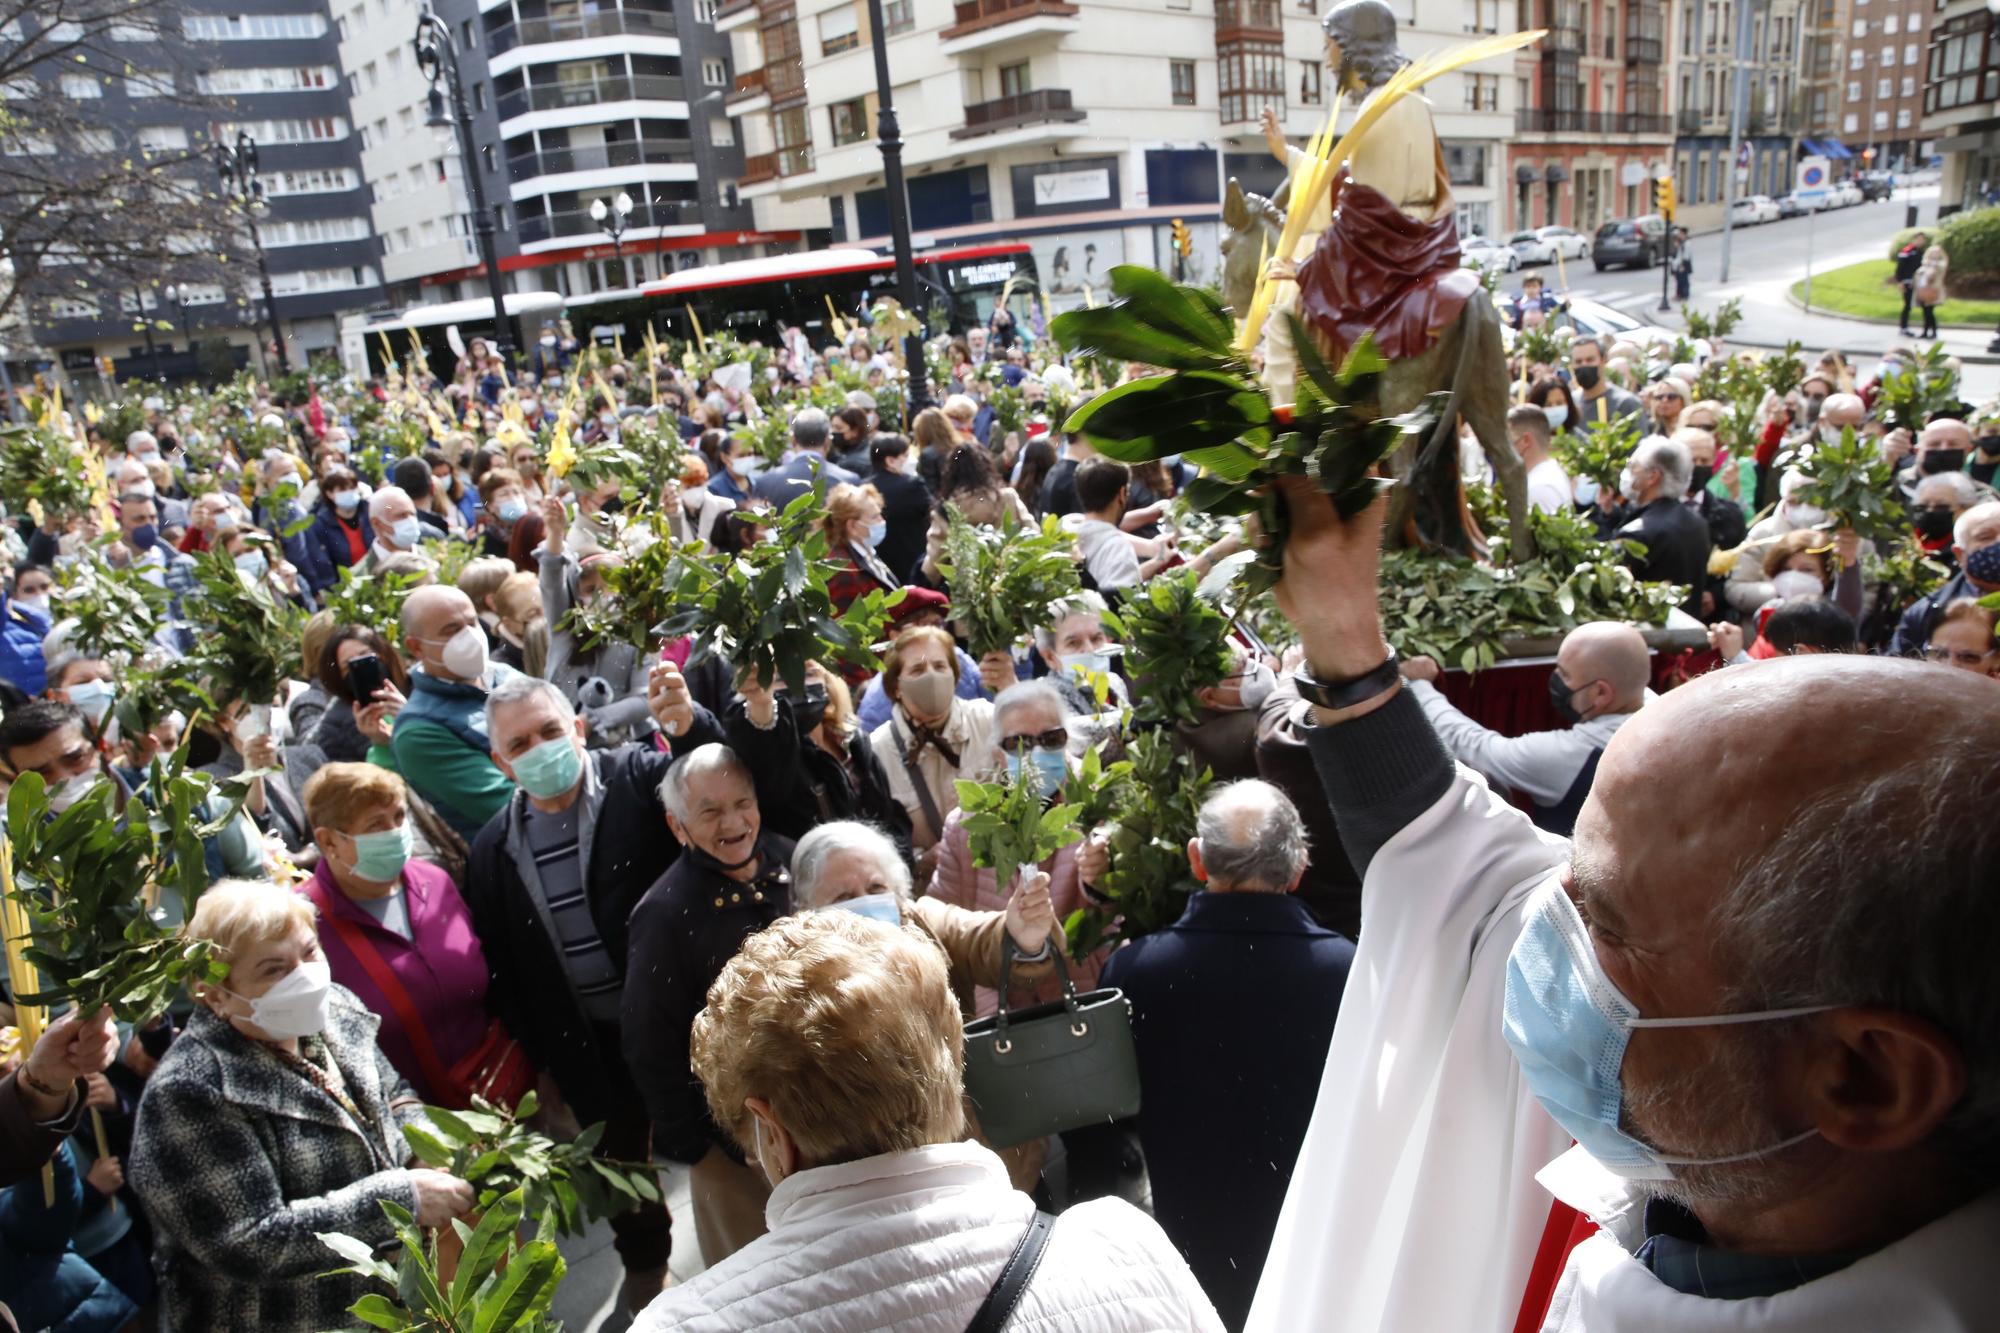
(1083, 603)
(1833, 910)
(1028, 694)
(521, 688)
(1676, 465)
(810, 428)
(1251, 836)
(817, 847)
(1961, 531)
(1964, 490)
(714, 757)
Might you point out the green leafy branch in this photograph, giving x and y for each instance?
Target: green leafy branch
(1005, 580)
(499, 1286)
(1851, 480)
(253, 642)
(1599, 452)
(1176, 643)
(1010, 824)
(1148, 802)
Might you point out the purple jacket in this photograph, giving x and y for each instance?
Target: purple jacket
(442, 968)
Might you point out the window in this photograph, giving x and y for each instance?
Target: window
(306, 129)
(162, 138)
(849, 121)
(1860, 29)
(1482, 92)
(478, 97)
(1888, 57)
(314, 231)
(1014, 80)
(1486, 16)
(1890, 24)
(322, 280)
(1883, 88)
(1180, 82)
(406, 120)
(1856, 58)
(71, 307)
(272, 79)
(1910, 54)
(1909, 86)
(367, 142)
(1881, 120)
(80, 87)
(704, 11)
(1465, 163)
(1249, 77)
(1854, 90)
(1311, 90)
(1849, 123)
(899, 17)
(251, 27)
(714, 73)
(722, 132)
(839, 30)
(149, 85)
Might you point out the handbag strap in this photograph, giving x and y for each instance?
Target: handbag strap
(392, 988)
(998, 1307)
(1007, 952)
(924, 797)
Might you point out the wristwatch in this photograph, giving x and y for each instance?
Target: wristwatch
(1338, 694)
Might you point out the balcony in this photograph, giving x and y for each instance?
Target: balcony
(575, 27)
(735, 14)
(1538, 120)
(979, 24)
(589, 92)
(1252, 20)
(1040, 107)
(761, 167)
(779, 83)
(600, 157)
(1688, 121)
(537, 227)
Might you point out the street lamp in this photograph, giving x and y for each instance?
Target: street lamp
(438, 60)
(611, 220)
(889, 138)
(237, 166)
(178, 298)
(146, 327)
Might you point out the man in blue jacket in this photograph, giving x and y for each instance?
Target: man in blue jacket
(25, 619)
(1233, 1007)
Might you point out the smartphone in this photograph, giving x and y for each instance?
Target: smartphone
(365, 676)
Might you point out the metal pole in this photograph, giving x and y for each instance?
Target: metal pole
(7, 385)
(482, 221)
(1812, 216)
(146, 327)
(270, 297)
(889, 138)
(1738, 96)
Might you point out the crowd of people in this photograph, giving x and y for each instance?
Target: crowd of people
(742, 924)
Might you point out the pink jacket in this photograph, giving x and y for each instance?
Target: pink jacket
(441, 967)
(963, 884)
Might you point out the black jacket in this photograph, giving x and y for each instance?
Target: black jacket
(683, 933)
(906, 508)
(1676, 541)
(1908, 260)
(1726, 525)
(799, 785)
(328, 532)
(630, 849)
(1232, 1011)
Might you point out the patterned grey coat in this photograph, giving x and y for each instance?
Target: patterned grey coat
(239, 1160)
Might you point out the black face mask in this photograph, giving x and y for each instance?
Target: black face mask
(1586, 376)
(615, 505)
(1941, 460)
(1698, 479)
(1989, 446)
(1563, 698)
(808, 709)
(1934, 521)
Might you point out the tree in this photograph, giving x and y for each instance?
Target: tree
(87, 212)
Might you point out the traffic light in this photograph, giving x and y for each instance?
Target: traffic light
(1183, 239)
(1663, 197)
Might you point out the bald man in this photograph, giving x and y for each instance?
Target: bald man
(440, 741)
(393, 515)
(1755, 992)
(1602, 671)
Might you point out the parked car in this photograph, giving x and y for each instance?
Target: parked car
(1876, 185)
(1753, 209)
(1791, 206)
(1478, 251)
(1530, 248)
(1846, 194)
(1566, 242)
(1639, 242)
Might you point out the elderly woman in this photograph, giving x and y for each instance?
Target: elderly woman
(273, 1117)
(831, 1052)
(1963, 638)
(933, 737)
(854, 528)
(607, 682)
(1030, 736)
(397, 934)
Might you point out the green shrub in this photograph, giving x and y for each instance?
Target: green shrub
(1903, 235)
(1972, 240)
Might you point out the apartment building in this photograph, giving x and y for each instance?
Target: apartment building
(1592, 124)
(1084, 127)
(1713, 41)
(274, 68)
(1882, 86)
(1962, 102)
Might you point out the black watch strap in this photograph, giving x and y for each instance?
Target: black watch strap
(1348, 693)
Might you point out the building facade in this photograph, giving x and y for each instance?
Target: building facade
(1592, 123)
(274, 73)
(1044, 120)
(1962, 103)
(1882, 85)
(1714, 42)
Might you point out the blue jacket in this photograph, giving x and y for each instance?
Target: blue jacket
(440, 748)
(21, 635)
(305, 551)
(1232, 1010)
(44, 1281)
(783, 485)
(327, 535)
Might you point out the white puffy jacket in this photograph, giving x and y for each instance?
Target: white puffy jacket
(913, 1241)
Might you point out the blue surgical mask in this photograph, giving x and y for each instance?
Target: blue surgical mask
(511, 511)
(404, 532)
(883, 907)
(1051, 769)
(225, 520)
(379, 857)
(1096, 662)
(550, 769)
(93, 698)
(254, 564)
(876, 532)
(347, 501)
(145, 537)
(1568, 1025)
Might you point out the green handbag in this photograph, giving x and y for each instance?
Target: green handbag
(1054, 1066)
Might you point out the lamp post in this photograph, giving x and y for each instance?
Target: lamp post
(611, 220)
(438, 59)
(236, 164)
(146, 327)
(889, 138)
(177, 297)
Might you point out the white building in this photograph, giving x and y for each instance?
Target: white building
(1084, 128)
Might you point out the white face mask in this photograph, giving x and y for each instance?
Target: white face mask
(1794, 584)
(1557, 414)
(296, 1006)
(1804, 516)
(38, 603)
(92, 698)
(71, 790)
(464, 653)
(1096, 662)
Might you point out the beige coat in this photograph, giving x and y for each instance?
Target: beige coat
(969, 731)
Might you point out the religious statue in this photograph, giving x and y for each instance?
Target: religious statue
(1379, 255)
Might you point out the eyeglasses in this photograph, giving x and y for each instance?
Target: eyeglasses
(1055, 738)
(1956, 656)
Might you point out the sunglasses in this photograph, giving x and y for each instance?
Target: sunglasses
(1055, 738)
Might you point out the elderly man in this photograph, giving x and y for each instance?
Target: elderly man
(1726, 524)
(140, 546)
(1940, 448)
(1769, 1121)
(553, 880)
(1226, 1096)
(809, 469)
(440, 741)
(393, 515)
(1935, 505)
(1840, 411)
(51, 739)
(730, 880)
(278, 511)
(1975, 545)
(1675, 537)
(1598, 685)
